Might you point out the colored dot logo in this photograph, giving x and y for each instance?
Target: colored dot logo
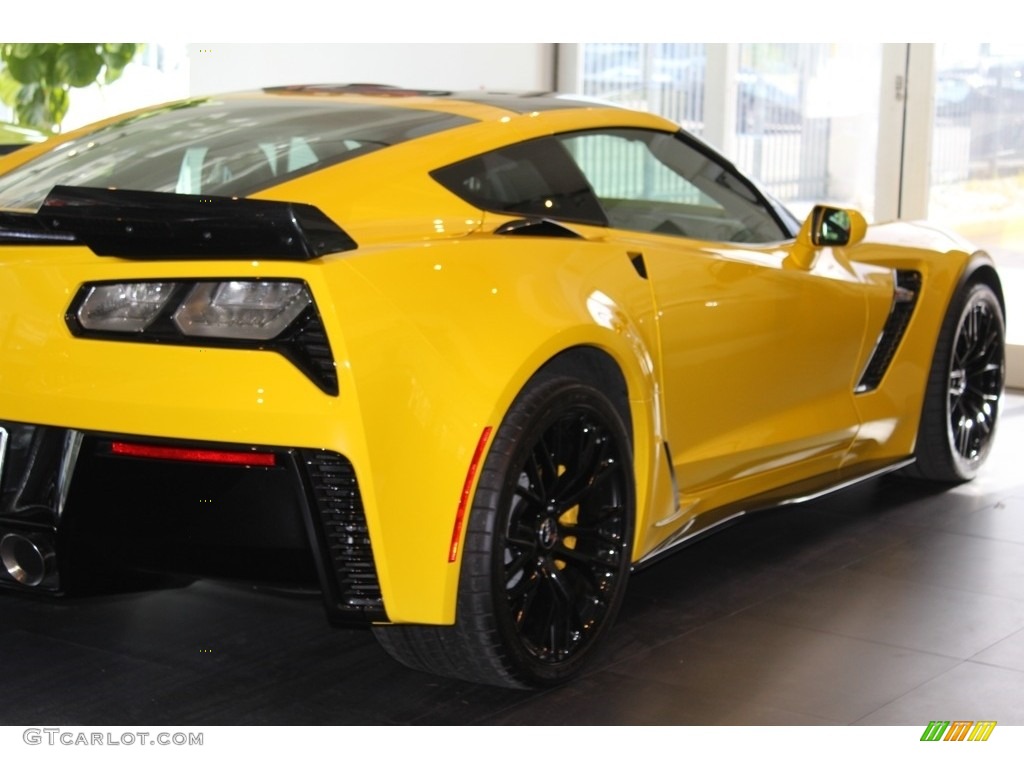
(958, 730)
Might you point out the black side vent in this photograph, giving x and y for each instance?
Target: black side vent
(536, 228)
(907, 289)
(306, 345)
(339, 511)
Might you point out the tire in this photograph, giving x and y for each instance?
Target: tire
(965, 386)
(547, 551)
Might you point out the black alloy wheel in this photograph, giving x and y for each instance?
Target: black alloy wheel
(976, 378)
(547, 549)
(562, 549)
(965, 386)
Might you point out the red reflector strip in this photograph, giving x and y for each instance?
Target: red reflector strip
(167, 453)
(474, 465)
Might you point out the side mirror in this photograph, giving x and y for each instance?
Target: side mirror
(827, 227)
(836, 226)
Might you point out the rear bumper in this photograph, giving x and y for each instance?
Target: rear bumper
(74, 503)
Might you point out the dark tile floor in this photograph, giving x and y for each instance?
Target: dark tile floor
(890, 603)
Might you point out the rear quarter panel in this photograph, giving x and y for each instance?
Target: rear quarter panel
(432, 343)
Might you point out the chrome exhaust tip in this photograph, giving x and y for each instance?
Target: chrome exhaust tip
(28, 558)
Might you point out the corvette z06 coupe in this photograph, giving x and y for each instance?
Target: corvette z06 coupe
(463, 360)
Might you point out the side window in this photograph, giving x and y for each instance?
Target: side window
(648, 181)
(534, 178)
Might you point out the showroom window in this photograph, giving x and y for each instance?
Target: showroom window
(792, 116)
(827, 123)
(977, 183)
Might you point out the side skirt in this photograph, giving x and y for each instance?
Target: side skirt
(714, 520)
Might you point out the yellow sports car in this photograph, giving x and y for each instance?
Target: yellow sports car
(463, 360)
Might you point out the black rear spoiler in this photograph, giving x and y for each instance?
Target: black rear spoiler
(157, 225)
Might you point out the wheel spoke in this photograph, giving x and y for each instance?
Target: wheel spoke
(544, 467)
(538, 470)
(963, 436)
(602, 473)
(989, 347)
(567, 622)
(604, 529)
(529, 494)
(580, 465)
(587, 560)
(515, 566)
(522, 523)
(526, 592)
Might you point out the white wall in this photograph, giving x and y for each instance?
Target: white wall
(220, 67)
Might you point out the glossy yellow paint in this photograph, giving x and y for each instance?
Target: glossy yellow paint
(890, 415)
(418, 381)
(740, 362)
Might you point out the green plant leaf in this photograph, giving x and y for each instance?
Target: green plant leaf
(36, 78)
(118, 55)
(31, 109)
(78, 64)
(32, 69)
(32, 50)
(9, 88)
(57, 103)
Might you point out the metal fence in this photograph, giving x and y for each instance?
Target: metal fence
(778, 139)
(979, 119)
